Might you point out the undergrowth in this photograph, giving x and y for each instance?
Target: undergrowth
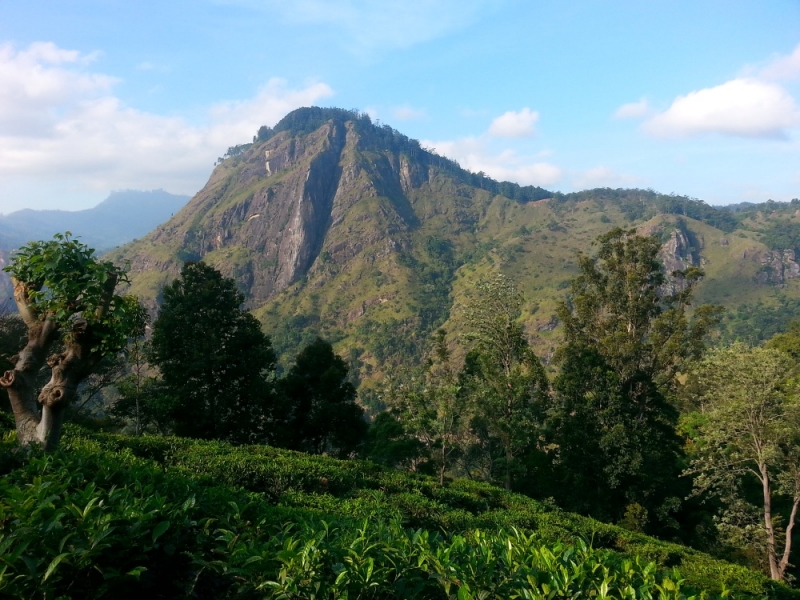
(121, 517)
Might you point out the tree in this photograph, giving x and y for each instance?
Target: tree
(507, 382)
(63, 294)
(213, 357)
(12, 336)
(141, 400)
(749, 433)
(431, 408)
(788, 341)
(317, 411)
(612, 424)
(388, 443)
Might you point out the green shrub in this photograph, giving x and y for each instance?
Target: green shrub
(111, 516)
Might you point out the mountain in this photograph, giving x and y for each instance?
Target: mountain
(118, 219)
(334, 226)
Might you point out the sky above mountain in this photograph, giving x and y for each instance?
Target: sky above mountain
(700, 98)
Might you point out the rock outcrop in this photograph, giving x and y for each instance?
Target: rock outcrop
(678, 254)
(778, 266)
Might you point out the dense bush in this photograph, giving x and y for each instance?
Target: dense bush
(113, 516)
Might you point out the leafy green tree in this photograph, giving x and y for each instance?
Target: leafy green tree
(317, 412)
(625, 341)
(388, 443)
(141, 399)
(213, 357)
(748, 439)
(788, 341)
(431, 408)
(63, 294)
(505, 379)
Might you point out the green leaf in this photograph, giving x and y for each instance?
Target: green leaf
(54, 564)
(160, 529)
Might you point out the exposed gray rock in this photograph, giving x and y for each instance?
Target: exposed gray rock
(677, 254)
(777, 266)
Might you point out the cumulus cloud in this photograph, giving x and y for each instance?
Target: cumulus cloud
(634, 110)
(479, 153)
(741, 107)
(474, 154)
(408, 113)
(514, 124)
(782, 67)
(61, 124)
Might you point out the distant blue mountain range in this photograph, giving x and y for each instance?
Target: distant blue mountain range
(120, 218)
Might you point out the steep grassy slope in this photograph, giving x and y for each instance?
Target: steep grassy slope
(332, 226)
(114, 516)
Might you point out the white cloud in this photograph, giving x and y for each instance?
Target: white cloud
(782, 67)
(472, 153)
(634, 110)
(475, 152)
(514, 124)
(408, 113)
(744, 107)
(61, 125)
(603, 177)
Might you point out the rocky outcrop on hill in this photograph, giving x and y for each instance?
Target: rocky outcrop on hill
(778, 266)
(334, 226)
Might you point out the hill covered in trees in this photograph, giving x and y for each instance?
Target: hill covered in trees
(334, 226)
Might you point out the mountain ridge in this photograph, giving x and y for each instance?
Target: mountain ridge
(334, 226)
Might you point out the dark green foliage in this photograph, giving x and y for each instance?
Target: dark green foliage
(387, 442)
(213, 358)
(174, 528)
(611, 422)
(782, 235)
(317, 412)
(756, 323)
(617, 441)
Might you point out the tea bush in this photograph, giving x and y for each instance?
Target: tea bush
(118, 517)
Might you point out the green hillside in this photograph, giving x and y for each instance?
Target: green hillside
(114, 516)
(334, 226)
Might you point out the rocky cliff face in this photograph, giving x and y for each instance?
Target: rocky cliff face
(678, 253)
(296, 208)
(336, 227)
(778, 266)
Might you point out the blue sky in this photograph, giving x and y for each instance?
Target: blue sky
(700, 98)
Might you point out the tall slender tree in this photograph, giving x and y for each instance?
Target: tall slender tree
(749, 441)
(625, 339)
(506, 379)
(431, 407)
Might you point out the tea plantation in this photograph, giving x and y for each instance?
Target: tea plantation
(110, 516)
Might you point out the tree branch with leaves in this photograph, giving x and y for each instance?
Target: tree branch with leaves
(63, 294)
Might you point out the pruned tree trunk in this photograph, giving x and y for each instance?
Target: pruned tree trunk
(68, 369)
(20, 383)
